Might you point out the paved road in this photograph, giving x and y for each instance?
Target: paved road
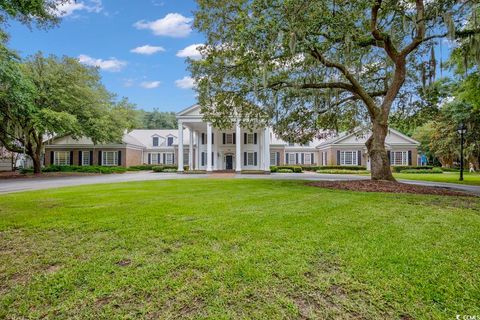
(29, 184)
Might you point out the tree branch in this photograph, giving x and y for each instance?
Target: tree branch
(384, 40)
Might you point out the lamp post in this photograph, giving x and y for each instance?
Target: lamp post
(462, 129)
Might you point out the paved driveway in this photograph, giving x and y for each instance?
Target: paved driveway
(29, 184)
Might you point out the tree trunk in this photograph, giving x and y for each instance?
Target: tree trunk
(37, 164)
(380, 164)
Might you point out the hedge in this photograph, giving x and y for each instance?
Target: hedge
(341, 168)
(343, 171)
(168, 168)
(401, 168)
(83, 169)
(422, 171)
(296, 169)
(147, 167)
(285, 170)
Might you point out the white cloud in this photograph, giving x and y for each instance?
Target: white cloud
(190, 52)
(112, 64)
(172, 25)
(69, 7)
(150, 84)
(186, 83)
(147, 49)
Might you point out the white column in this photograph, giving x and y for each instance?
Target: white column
(238, 149)
(180, 147)
(197, 153)
(209, 147)
(190, 150)
(266, 148)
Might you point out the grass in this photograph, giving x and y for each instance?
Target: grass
(450, 177)
(224, 249)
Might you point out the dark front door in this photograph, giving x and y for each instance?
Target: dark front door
(229, 162)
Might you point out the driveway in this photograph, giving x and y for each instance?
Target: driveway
(30, 184)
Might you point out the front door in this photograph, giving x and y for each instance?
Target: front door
(229, 162)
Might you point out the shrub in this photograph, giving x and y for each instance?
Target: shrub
(26, 170)
(344, 171)
(253, 172)
(450, 169)
(195, 172)
(401, 168)
(85, 169)
(170, 170)
(341, 168)
(297, 169)
(166, 168)
(310, 168)
(141, 168)
(285, 170)
(422, 171)
(273, 168)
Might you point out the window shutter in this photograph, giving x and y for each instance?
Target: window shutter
(296, 158)
(158, 158)
(99, 158)
(52, 156)
(119, 158)
(244, 158)
(255, 138)
(173, 158)
(409, 157)
(224, 138)
(80, 158)
(278, 159)
(203, 159)
(303, 158)
(286, 158)
(359, 158)
(213, 157)
(245, 138)
(234, 138)
(255, 158)
(213, 135)
(149, 158)
(203, 138)
(164, 158)
(71, 158)
(91, 158)
(312, 158)
(338, 157)
(389, 157)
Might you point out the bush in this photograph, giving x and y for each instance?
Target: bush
(26, 170)
(166, 168)
(401, 168)
(285, 170)
(296, 169)
(273, 168)
(195, 172)
(141, 168)
(450, 169)
(344, 171)
(351, 168)
(310, 168)
(85, 169)
(422, 171)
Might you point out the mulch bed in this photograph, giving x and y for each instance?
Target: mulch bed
(387, 186)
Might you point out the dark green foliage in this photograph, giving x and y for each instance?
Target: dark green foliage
(83, 169)
(342, 171)
(401, 168)
(167, 168)
(297, 169)
(141, 168)
(156, 119)
(285, 170)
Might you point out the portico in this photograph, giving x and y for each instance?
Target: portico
(211, 149)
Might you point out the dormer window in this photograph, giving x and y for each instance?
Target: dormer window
(169, 141)
(155, 141)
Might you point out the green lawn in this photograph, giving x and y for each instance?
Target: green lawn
(224, 249)
(451, 177)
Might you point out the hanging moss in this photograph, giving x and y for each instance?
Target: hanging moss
(293, 43)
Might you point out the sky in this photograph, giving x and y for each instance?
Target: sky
(140, 47)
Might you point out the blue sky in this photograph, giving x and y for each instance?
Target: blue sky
(137, 45)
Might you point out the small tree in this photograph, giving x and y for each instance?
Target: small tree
(309, 65)
(50, 96)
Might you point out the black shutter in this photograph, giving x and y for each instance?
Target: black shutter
(277, 162)
(224, 138)
(158, 158)
(149, 158)
(389, 157)
(244, 158)
(286, 158)
(234, 138)
(213, 138)
(296, 158)
(203, 159)
(255, 138)
(99, 158)
(164, 158)
(338, 157)
(213, 157)
(409, 157)
(203, 138)
(91, 158)
(52, 156)
(303, 158)
(245, 138)
(80, 158)
(255, 158)
(119, 158)
(173, 158)
(359, 158)
(71, 158)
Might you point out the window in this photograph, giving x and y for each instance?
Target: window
(85, 158)
(169, 158)
(61, 158)
(250, 159)
(185, 158)
(273, 158)
(169, 141)
(348, 158)
(155, 141)
(324, 158)
(292, 158)
(399, 158)
(308, 159)
(109, 158)
(154, 158)
(229, 138)
(250, 138)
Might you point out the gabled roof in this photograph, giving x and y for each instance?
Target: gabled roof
(347, 135)
(190, 111)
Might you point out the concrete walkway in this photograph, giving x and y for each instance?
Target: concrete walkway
(30, 184)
